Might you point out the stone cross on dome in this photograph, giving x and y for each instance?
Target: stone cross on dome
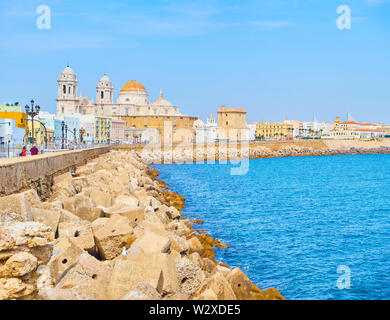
(161, 93)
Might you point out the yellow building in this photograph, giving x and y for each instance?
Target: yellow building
(232, 124)
(276, 130)
(345, 130)
(42, 136)
(102, 129)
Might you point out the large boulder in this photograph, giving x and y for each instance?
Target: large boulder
(157, 269)
(81, 234)
(83, 207)
(50, 218)
(240, 284)
(135, 214)
(219, 285)
(100, 198)
(113, 236)
(16, 207)
(14, 288)
(151, 242)
(87, 277)
(190, 276)
(18, 265)
(65, 253)
(33, 198)
(143, 291)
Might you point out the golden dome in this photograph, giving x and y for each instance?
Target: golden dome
(133, 86)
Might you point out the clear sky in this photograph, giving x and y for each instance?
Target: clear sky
(276, 58)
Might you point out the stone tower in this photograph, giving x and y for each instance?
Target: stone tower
(104, 91)
(67, 102)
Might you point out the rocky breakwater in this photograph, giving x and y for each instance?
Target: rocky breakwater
(271, 149)
(111, 230)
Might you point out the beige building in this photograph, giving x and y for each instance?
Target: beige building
(117, 130)
(232, 124)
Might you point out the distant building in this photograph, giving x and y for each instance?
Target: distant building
(355, 130)
(275, 130)
(117, 130)
(205, 133)
(232, 124)
(132, 106)
(102, 129)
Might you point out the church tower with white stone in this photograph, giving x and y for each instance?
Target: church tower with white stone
(104, 91)
(67, 101)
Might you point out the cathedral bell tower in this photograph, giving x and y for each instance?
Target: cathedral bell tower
(104, 91)
(67, 102)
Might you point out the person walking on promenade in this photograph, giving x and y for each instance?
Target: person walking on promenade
(34, 151)
(23, 153)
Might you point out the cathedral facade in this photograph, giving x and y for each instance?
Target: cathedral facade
(145, 121)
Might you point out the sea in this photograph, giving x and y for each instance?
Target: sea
(315, 227)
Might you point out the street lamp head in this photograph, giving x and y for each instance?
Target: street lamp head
(27, 109)
(32, 103)
(38, 108)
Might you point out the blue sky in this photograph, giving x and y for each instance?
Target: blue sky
(276, 58)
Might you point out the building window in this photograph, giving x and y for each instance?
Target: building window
(64, 88)
(102, 95)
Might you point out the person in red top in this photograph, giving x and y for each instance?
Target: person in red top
(34, 151)
(23, 153)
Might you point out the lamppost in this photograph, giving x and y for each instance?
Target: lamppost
(32, 114)
(63, 128)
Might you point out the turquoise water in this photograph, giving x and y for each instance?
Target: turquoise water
(291, 222)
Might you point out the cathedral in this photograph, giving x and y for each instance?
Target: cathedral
(156, 122)
(132, 99)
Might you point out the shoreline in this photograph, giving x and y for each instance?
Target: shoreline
(101, 220)
(209, 153)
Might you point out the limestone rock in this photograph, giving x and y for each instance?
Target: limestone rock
(24, 234)
(19, 265)
(135, 214)
(240, 284)
(33, 198)
(207, 295)
(129, 271)
(209, 266)
(178, 243)
(87, 277)
(190, 276)
(100, 198)
(98, 223)
(143, 291)
(113, 236)
(219, 285)
(81, 234)
(151, 242)
(13, 288)
(83, 207)
(128, 200)
(16, 204)
(65, 253)
(50, 218)
(195, 246)
(179, 228)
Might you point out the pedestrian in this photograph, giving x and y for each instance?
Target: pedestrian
(23, 153)
(34, 151)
